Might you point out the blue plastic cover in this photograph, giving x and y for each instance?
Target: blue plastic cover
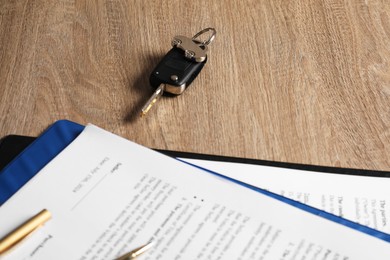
(28, 163)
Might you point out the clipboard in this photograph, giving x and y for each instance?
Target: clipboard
(44, 148)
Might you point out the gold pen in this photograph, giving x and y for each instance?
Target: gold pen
(21, 232)
(136, 252)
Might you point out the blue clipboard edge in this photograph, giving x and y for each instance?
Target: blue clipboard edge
(63, 132)
(41, 151)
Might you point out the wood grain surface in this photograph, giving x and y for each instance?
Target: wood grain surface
(293, 81)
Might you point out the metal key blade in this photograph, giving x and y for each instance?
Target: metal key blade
(153, 99)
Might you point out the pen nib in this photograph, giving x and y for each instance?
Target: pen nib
(136, 252)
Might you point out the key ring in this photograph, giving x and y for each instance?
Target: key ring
(209, 40)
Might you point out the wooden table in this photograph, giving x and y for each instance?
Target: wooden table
(293, 81)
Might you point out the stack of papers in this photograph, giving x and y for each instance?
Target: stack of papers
(108, 196)
(362, 199)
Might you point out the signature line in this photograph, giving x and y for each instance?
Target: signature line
(86, 194)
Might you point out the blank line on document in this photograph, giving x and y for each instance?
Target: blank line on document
(86, 194)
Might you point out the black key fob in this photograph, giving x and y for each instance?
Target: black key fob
(179, 67)
(175, 71)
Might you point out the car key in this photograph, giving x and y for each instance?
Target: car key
(179, 67)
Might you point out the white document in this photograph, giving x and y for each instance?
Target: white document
(362, 199)
(108, 196)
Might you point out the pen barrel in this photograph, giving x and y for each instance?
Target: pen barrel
(24, 230)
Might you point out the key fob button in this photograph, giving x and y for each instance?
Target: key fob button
(178, 64)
